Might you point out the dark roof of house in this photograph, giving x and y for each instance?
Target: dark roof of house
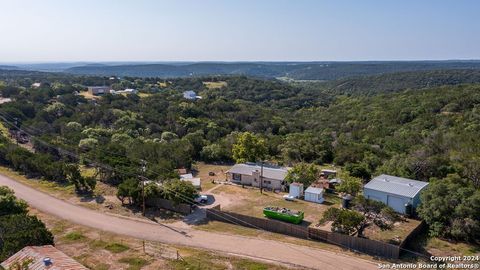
(396, 185)
(58, 259)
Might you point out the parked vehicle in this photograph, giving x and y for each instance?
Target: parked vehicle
(201, 199)
(283, 214)
(288, 197)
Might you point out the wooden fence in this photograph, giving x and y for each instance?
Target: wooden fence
(364, 245)
(419, 229)
(182, 208)
(258, 223)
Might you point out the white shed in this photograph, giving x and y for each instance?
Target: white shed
(314, 194)
(188, 177)
(296, 190)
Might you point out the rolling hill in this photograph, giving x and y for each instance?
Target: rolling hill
(290, 70)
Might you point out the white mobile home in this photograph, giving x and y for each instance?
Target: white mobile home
(250, 174)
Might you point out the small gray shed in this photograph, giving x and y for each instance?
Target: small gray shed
(396, 192)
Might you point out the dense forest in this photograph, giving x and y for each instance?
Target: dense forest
(394, 82)
(400, 128)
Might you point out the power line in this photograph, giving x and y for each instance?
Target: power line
(170, 190)
(176, 193)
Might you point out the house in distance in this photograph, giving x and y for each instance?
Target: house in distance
(399, 193)
(191, 95)
(98, 90)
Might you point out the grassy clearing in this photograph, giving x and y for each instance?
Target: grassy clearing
(215, 85)
(74, 236)
(200, 260)
(101, 266)
(88, 95)
(144, 95)
(440, 247)
(116, 247)
(203, 170)
(134, 263)
(162, 84)
(59, 190)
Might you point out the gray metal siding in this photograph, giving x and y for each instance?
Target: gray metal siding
(392, 200)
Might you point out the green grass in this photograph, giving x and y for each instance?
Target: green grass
(116, 247)
(74, 236)
(101, 266)
(98, 244)
(201, 260)
(452, 248)
(134, 263)
(249, 265)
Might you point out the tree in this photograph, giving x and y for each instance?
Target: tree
(178, 191)
(451, 208)
(350, 185)
(303, 173)
(375, 212)
(17, 229)
(82, 184)
(215, 152)
(307, 147)
(20, 230)
(168, 136)
(344, 221)
(9, 205)
(249, 148)
(129, 189)
(359, 170)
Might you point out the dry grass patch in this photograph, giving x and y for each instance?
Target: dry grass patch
(440, 247)
(215, 85)
(88, 95)
(203, 170)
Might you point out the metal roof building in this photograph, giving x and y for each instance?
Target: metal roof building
(396, 192)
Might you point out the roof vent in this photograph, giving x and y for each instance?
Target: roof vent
(410, 184)
(47, 261)
(386, 180)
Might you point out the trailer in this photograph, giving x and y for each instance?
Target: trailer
(283, 214)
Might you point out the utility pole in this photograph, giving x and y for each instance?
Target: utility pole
(261, 177)
(17, 132)
(144, 169)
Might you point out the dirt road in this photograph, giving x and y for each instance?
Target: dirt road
(238, 245)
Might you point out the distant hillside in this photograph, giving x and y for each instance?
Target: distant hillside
(8, 67)
(394, 82)
(291, 70)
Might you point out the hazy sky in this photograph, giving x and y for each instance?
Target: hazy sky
(182, 30)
